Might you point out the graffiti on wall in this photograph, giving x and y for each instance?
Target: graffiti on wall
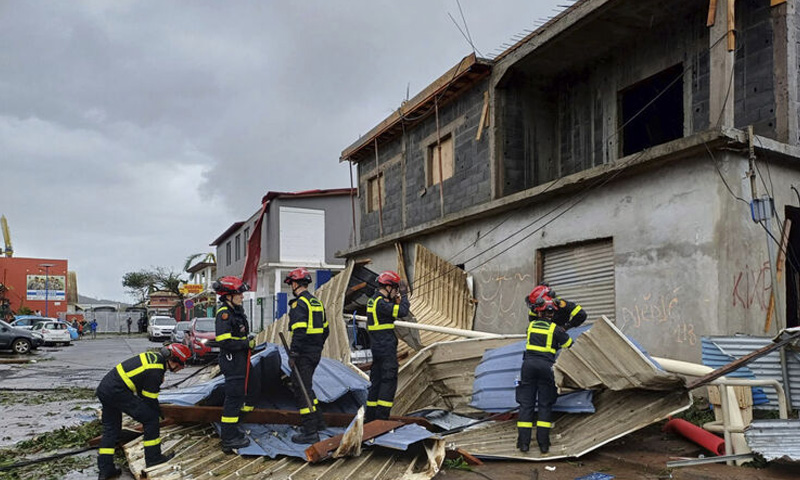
(501, 299)
(659, 312)
(752, 286)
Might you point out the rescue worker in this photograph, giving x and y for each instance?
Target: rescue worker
(309, 329)
(568, 314)
(232, 335)
(544, 339)
(388, 304)
(132, 387)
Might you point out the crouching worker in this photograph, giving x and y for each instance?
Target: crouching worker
(309, 331)
(132, 387)
(544, 339)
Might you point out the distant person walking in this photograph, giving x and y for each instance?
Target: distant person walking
(93, 328)
(129, 321)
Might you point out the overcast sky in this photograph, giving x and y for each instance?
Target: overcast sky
(133, 133)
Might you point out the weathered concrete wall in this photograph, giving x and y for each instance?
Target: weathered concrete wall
(408, 202)
(681, 244)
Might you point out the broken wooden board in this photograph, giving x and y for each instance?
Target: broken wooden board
(323, 449)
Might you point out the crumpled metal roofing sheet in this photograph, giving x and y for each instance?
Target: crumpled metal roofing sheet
(608, 359)
(440, 297)
(651, 395)
(774, 439)
(401, 438)
(198, 455)
(271, 440)
(766, 367)
(337, 346)
(494, 388)
(714, 357)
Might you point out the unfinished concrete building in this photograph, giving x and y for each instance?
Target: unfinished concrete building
(608, 154)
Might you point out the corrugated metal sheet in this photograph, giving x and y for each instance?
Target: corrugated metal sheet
(331, 295)
(774, 439)
(627, 382)
(494, 388)
(714, 358)
(766, 367)
(401, 438)
(198, 455)
(442, 374)
(605, 358)
(441, 297)
(583, 274)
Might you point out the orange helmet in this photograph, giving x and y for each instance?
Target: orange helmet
(389, 278)
(544, 304)
(538, 292)
(230, 285)
(299, 275)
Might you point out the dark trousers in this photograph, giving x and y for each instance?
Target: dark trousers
(232, 406)
(383, 385)
(115, 402)
(306, 364)
(536, 379)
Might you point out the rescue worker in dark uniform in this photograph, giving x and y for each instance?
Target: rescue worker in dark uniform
(132, 387)
(388, 304)
(544, 339)
(309, 329)
(568, 314)
(232, 336)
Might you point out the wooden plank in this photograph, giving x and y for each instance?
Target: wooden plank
(773, 3)
(712, 12)
(787, 225)
(736, 364)
(323, 449)
(484, 115)
(731, 25)
(196, 414)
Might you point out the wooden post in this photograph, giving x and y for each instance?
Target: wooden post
(787, 225)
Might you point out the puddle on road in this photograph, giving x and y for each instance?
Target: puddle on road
(24, 421)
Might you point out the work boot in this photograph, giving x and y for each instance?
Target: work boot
(307, 437)
(320, 423)
(522, 446)
(109, 472)
(153, 460)
(235, 443)
(544, 448)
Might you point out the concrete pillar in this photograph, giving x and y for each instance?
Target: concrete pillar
(722, 82)
(785, 50)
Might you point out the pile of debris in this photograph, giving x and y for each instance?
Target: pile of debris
(453, 395)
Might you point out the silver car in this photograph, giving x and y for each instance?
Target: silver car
(179, 333)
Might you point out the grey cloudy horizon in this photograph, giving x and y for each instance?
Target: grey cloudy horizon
(133, 133)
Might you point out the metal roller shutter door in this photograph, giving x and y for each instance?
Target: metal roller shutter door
(583, 274)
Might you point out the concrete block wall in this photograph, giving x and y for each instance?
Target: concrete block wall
(469, 185)
(754, 92)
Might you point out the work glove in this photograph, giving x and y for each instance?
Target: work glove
(251, 341)
(403, 287)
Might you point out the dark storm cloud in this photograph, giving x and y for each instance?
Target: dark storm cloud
(132, 133)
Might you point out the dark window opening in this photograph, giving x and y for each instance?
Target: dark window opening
(792, 269)
(647, 124)
(228, 253)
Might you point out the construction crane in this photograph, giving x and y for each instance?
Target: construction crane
(9, 251)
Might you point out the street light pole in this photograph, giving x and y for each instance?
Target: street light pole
(46, 267)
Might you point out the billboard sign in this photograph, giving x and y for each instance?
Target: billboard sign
(37, 290)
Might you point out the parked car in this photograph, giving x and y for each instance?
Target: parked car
(53, 332)
(179, 334)
(27, 321)
(160, 327)
(200, 338)
(73, 332)
(19, 340)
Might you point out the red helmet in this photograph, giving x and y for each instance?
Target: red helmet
(389, 278)
(178, 352)
(538, 292)
(544, 304)
(230, 285)
(299, 275)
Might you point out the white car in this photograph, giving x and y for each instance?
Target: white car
(160, 327)
(53, 332)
